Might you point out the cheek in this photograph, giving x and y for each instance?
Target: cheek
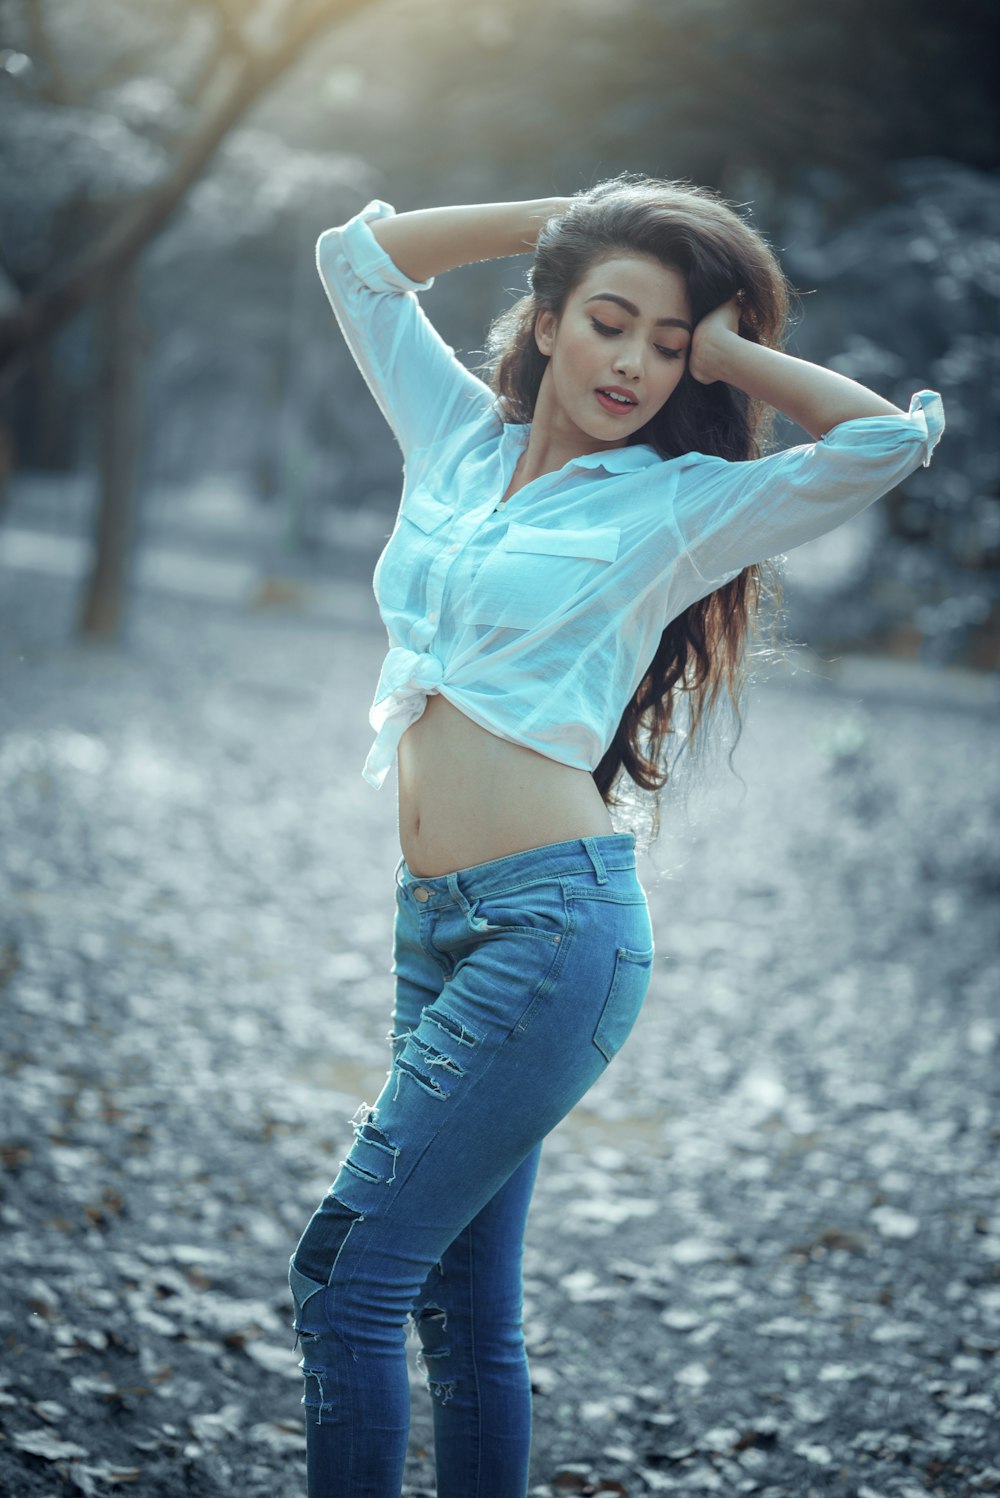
(670, 381)
(583, 356)
(575, 365)
(670, 375)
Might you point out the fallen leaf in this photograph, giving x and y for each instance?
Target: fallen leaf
(892, 1223)
(43, 1443)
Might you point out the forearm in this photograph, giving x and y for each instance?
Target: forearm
(429, 241)
(816, 398)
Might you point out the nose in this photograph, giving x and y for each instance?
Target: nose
(628, 360)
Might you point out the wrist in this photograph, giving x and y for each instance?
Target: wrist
(538, 213)
(714, 353)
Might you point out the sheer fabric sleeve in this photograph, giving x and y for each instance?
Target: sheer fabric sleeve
(420, 386)
(729, 515)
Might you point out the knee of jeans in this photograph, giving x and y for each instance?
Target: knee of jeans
(321, 1340)
(303, 1291)
(323, 1241)
(311, 1269)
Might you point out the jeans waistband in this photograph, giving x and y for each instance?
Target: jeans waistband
(597, 856)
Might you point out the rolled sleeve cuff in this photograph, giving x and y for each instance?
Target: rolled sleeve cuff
(366, 257)
(927, 415)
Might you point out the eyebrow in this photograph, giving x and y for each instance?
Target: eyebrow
(661, 322)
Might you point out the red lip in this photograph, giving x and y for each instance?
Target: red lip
(617, 406)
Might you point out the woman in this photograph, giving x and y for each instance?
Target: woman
(576, 542)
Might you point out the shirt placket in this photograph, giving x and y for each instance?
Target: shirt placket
(462, 527)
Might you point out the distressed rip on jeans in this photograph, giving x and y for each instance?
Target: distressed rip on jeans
(431, 1323)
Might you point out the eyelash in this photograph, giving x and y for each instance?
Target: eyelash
(606, 332)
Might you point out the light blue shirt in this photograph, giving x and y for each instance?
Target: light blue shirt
(539, 620)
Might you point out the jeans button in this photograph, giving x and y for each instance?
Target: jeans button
(421, 894)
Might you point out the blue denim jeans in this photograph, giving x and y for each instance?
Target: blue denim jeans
(517, 981)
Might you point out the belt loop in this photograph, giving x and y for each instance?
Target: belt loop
(596, 859)
(456, 893)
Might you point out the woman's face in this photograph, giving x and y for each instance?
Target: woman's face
(619, 350)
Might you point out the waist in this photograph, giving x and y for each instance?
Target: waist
(466, 796)
(604, 860)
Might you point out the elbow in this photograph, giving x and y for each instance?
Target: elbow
(327, 242)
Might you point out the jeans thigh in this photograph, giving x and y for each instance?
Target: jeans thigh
(537, 992)
(545, 985)
(437, 1143)
(458, 1075)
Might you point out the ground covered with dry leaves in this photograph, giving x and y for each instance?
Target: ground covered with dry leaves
(764, 1255)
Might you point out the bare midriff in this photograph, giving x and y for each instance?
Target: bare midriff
(467, 796)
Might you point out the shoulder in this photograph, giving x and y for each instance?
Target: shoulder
(466, 448)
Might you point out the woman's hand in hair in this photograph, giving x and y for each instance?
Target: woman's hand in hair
(708, 343)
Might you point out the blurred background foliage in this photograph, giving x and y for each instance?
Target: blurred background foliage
(201, 377)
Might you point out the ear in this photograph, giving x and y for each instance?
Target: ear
(546, 323)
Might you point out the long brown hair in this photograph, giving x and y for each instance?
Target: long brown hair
(691, 230)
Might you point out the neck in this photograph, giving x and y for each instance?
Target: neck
(553, 441)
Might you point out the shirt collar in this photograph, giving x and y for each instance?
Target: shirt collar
(628, 459)
(620, 459)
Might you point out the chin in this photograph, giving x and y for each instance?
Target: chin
(612, 429)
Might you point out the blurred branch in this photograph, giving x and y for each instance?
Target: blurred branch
(231, 29)
(125, 65)
(228, 41)
(64, 294)
(197, 86)
(57, 88)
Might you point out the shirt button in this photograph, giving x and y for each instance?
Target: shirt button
(432, 616)
(421, 894)
(453, 547)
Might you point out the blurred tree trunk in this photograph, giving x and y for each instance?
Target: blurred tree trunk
(119, 437)
(239, 84)
(234, 75)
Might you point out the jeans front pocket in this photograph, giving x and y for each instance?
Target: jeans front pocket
(621, 1008)
(533, 910)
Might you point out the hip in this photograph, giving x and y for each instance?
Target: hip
(561, 930)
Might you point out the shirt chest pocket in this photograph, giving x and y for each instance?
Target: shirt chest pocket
(411, 546)
(534, 572)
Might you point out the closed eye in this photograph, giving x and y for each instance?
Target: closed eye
(606, 332)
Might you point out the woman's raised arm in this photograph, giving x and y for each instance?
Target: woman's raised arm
(371, 266)
(428, 241)
(815, 397)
